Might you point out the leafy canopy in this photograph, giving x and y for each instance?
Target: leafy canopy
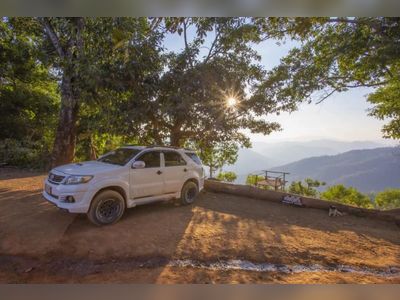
(29, 99)
(216, 62)
(227, 176)
(388, 199)
(346, 195)
(337, 54)
(306, 188)
(218, 155)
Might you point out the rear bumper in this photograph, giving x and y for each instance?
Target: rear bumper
(201, 184)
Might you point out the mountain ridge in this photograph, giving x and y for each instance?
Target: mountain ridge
(368, 170)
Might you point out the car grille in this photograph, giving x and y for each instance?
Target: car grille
(55, 178)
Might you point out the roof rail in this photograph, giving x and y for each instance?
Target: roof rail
(171, 147)
(163, 146)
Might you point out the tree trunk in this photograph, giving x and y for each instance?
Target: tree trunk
(92, 149)
(176, 138)
(65, 140)
(211, 172)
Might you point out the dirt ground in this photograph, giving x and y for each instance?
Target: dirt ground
(39, 243)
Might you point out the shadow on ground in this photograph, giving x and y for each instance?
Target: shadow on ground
(35, 234)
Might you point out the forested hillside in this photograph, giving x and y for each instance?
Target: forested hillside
(368, 170)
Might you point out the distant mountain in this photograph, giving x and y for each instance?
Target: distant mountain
(286, 152)
(249, 161)
(265, 155)
(367, 170)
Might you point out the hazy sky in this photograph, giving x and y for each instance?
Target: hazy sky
(343, 116)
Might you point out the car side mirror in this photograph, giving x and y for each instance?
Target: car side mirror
(139, 164)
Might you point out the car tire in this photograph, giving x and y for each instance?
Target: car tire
(106, 208)
(189, 192)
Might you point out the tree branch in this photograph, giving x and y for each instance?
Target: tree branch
(367, 84)
(186, 43)
(210, 54)
(325, 97)
(52, 36)
(185, 35)
(354, 21)
(342, 20)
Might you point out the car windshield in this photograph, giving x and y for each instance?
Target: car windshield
(120, 156)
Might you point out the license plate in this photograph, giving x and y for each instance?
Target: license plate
(47, 188)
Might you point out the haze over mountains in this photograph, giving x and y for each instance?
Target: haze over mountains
(368, 170)
(286, 152)
(371, 168)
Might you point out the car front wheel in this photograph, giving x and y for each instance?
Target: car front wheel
(106, 208)
(189, 192)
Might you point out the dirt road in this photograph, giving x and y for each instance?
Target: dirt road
(202, 243)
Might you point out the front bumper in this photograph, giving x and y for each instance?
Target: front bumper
(59, 192)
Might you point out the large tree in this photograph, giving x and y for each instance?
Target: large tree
(67, 37)
(100, 62)
(335, 55)
(216, 63)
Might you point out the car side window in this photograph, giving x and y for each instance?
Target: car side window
(173, 159)
(151, 159)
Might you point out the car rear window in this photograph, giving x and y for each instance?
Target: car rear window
(173, 159)
(194, 157)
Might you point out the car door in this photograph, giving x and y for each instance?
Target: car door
(175, 168)
(147, 181)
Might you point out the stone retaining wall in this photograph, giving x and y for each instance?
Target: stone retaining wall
(274, 196)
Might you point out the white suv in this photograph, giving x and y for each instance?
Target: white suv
(124, 178)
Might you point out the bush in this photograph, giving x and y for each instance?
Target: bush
(308, 188)
(26, 154)
(253, 179)
(227, 176)
(388, 199)
(346, 195)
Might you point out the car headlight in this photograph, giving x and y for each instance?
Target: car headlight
(76, 179)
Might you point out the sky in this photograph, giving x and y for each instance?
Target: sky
(343, 116)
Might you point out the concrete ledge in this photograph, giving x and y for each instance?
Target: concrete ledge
(257, 193)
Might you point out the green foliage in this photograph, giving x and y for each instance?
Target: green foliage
(189, 105)
(306, 188)
(346, 195)
(253, 179)
(227, 176)
(337, 54)
(388, 199)
(218, 155)
(26, 154)
(125, 87)
(387, 107)
(29, 100)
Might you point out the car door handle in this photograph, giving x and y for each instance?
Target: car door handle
(184, 170)
(159, 172)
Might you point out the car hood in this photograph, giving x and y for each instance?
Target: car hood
(86, 168)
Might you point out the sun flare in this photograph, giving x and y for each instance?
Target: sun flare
(231, 102)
